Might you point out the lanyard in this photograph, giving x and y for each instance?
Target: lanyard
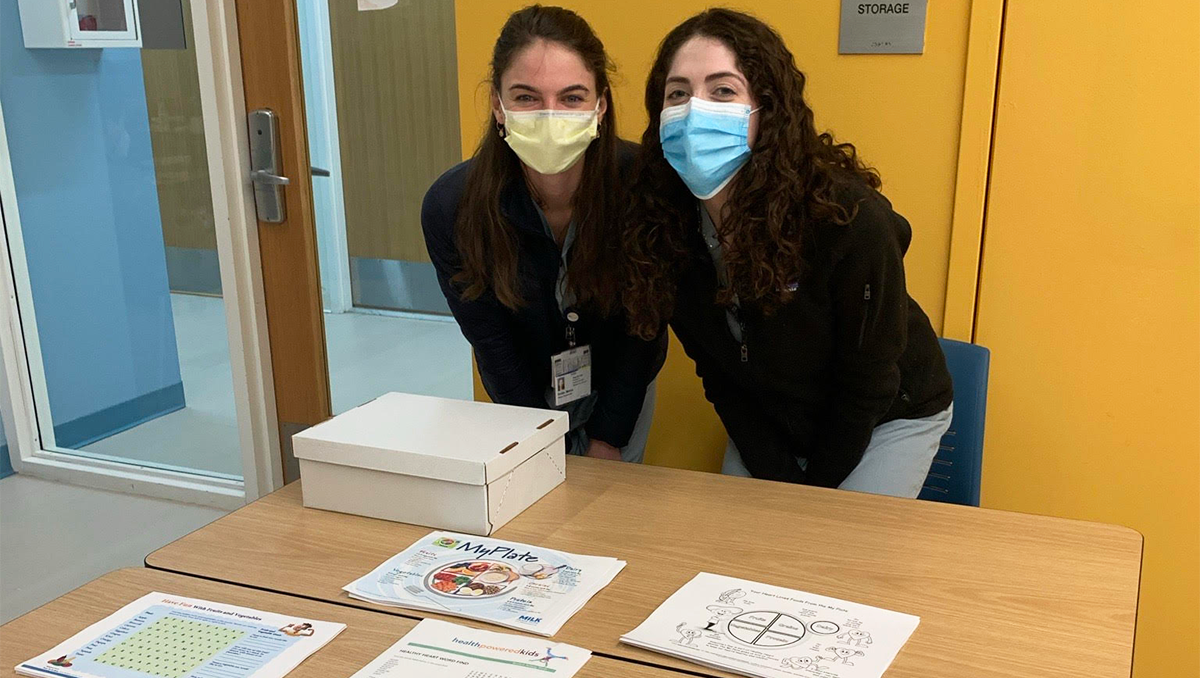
(733, 312)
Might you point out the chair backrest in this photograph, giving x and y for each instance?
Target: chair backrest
(955, 474)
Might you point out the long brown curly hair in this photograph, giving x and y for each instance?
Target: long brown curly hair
(788, 183)
(486, 242)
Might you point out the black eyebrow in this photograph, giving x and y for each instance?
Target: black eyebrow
(678, 78)
(526, 88)
(573, 88)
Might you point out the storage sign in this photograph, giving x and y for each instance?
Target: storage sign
(882, 27)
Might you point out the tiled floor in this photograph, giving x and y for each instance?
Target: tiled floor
(368, 355)
(56, 537)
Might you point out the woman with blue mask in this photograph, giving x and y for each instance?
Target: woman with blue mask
(780, 266)
(523, 238)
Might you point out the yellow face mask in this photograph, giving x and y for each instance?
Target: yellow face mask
(550, 141)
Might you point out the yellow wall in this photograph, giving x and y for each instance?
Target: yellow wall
(1090, 284)
(1090, 290)
(902, 112)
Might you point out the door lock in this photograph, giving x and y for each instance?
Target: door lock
(265, 166)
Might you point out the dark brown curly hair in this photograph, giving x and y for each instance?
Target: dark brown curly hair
(789, 182)
(486, 242)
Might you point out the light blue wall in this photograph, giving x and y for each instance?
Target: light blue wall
(79, 137)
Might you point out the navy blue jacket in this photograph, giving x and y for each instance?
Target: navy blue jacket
(513, 348)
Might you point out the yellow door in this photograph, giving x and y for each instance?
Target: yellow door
(1090, 291)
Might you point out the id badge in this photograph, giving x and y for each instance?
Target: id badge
(572, 370)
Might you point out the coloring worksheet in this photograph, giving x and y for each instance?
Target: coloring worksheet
(772, 632)
(523, 587)
(165, 636)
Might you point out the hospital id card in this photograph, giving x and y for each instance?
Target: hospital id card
(572, 374)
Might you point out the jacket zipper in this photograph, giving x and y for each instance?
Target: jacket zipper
(737, 316)
(862, 330)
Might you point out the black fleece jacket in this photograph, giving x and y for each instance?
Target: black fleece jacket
(850, 350)
(513, 348)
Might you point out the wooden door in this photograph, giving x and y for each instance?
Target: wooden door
(271, 71)
(387, 111)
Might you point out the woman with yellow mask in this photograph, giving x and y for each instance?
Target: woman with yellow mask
(524, 238)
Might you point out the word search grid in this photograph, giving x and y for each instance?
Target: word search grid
(171, 647)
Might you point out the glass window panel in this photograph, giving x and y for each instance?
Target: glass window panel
(102, 15)
(109, 164)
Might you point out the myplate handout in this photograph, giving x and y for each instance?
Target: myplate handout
(514, 585)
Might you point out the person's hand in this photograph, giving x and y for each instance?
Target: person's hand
(602, 450)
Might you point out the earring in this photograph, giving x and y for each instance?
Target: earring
(501, 131)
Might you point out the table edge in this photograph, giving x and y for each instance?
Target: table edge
(365, 610)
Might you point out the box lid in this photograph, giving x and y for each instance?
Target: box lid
(456, 440)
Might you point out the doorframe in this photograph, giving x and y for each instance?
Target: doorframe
(223, 111)
(332, 240)
(223, 101)
(980, 83)
(272, 79)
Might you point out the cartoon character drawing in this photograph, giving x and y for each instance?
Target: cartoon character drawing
(797, 663)
(549, 655)
(719, 613)
(855, 637)
(63, 661)
(731, 596)
(687, 634)
(844, 654)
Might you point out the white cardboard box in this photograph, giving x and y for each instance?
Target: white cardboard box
(449, 464)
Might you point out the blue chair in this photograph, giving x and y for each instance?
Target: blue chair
(955, 475)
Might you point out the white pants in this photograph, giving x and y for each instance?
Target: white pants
(896, 461)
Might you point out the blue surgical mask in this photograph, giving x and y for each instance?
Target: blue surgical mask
(706, 142)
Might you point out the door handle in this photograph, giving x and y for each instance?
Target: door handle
(268, 179)
(265, 169)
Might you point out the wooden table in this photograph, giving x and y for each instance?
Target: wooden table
(367, 634)
(999, 594)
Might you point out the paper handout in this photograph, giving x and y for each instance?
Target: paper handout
(514, 585)
(165, 636)
(772, 632)
(438, 649)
